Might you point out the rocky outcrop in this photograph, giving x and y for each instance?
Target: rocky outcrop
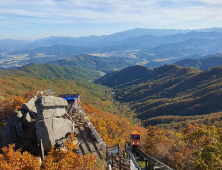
(51, 101)
(50, 126)
(37, 120)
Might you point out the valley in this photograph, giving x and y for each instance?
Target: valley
(167, 86)
(118, 85)
(167, 91)
(133, 65)
(138, 67)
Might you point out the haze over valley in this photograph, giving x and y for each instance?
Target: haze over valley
(137, 46)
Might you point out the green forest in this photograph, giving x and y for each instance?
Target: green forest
(169, 90)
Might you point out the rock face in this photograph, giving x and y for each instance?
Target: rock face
(38, 120)
(50, 112)
(50, 127)
(31, 108)
(9, 135)
(17, 124)
(51, 101)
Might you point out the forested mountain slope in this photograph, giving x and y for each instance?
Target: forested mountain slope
(97, 95)
(105, 64)
(202, 63)
(124, 76)
(136, 75)
(173, 90)
(53, 72)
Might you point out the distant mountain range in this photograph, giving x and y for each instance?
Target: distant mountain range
(202, 63)
(12, 44)
(192, 43)
(59, 50)
(88, 40)
(151, 48)
(104, 40)
(198, 39)
(151, 40)
(167, 90)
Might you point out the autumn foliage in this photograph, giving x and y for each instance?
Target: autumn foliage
(112, 128)
(57, 159)
(62, 160)
(13, 160)
(197, 147)
(13, 103)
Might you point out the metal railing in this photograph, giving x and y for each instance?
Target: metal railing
(153, 160)
(130, 156)
(148, 158)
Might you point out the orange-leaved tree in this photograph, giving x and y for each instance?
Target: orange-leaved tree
(168, 147)
(112, 128)
(11, 104)
(11, 159)
(206, 143)
(198, 147)
(57, 159)
(62, 160)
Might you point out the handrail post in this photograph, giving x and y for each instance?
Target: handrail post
(119, 162)
(129, 163)
(106, 154)
(128, 156)
(41, 149)
(112, 159)
(118, 147)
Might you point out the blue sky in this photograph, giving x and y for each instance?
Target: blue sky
(34, 19)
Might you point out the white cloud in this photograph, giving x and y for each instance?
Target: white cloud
(211, 2)
(159, 12)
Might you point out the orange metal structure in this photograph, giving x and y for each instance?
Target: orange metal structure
(135, 140)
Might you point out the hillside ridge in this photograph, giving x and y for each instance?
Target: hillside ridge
(169, 90)
(48, 71)
(202, 63)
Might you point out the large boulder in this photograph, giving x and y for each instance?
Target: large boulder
(51, 101)
(38, 120)
(51, 130)
(50, 112)
(9, 135)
